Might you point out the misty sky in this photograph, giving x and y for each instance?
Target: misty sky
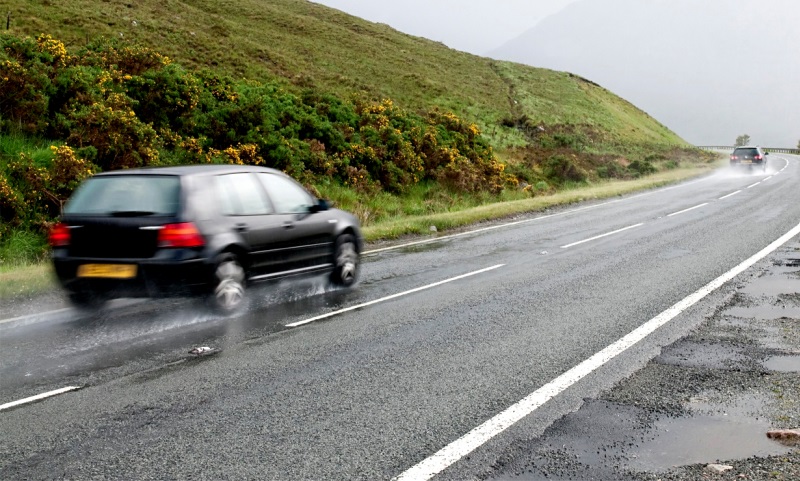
(710, 70)
(475, 26)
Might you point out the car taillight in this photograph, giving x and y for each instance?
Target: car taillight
(184, 234)
(59, 235)
(733, 157)
(758, 157)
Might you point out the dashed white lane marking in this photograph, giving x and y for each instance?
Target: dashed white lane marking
(536, 219)
(464, 445)
(730, 195)
(771, 176)
(751, 186)
(602, 235)
(687, 210)
(393, 296)
(38, 397)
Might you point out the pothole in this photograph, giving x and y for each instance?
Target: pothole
(704, 355)
(783, 363)
(703, 439)
(764, 313)
(713, 433)
(772, 286)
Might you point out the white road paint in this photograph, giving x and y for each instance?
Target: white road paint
(602, 235)
(38, 397)
(393, 296)
(687, 210)
(71, 313)
(34, 316)
(751, 186)
(730, 195)
(464, 445)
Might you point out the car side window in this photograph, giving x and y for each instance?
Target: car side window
(240, 194)
(287, 196)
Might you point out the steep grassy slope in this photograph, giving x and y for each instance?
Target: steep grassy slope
(311, 45)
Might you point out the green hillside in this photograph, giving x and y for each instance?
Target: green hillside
(310, 45)
(402, 131)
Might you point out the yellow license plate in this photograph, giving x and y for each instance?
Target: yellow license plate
(109, 271)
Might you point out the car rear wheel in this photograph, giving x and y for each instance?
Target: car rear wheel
(346, 262)
(229, 285)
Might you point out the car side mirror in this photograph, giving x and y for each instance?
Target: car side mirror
(766, 153)
(321, 205)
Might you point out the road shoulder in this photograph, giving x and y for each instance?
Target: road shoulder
(702, 409)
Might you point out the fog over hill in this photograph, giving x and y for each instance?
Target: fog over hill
(709, 70)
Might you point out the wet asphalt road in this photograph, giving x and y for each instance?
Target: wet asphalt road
(371, 392)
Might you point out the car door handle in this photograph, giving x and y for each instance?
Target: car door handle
(288, 225)
(240, 227)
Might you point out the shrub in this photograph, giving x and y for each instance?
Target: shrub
(639, 168)
(611, 170)
(31, 196)
(560, 167)
(121, 106)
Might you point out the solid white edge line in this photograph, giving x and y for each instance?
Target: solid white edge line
(393, 296)
(38, 397)
(580, 209)
(464, 445)
(687, 210)
(602, 235)
(751, 186)
(730, 195)
(34, 316)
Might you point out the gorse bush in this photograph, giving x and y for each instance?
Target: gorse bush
(113, 106)
(31, 196)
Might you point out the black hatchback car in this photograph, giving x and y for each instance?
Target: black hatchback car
(197, 230)
(752, 157)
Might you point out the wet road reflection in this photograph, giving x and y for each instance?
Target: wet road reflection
(77, 348)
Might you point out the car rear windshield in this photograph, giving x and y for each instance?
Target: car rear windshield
(750, 152)
(127, 195)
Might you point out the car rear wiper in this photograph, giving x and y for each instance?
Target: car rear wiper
(131, 213)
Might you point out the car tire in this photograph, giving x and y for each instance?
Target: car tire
(228, 293)
(346, 261)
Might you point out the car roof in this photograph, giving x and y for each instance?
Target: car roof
(187, 170)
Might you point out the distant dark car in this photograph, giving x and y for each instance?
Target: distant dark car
(752, 157)
(197, 230)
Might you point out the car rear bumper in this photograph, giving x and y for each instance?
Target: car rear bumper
(152, 278)
(745, 163)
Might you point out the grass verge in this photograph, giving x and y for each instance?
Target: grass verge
(394, 228)
(31, 279)
(26, 280)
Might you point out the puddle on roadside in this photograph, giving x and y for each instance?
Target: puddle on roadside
(764, 313)
(772, 286)
(783, 364)
(703, 439)
(714, 433)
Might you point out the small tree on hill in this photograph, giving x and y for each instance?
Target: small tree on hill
(742, 140)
